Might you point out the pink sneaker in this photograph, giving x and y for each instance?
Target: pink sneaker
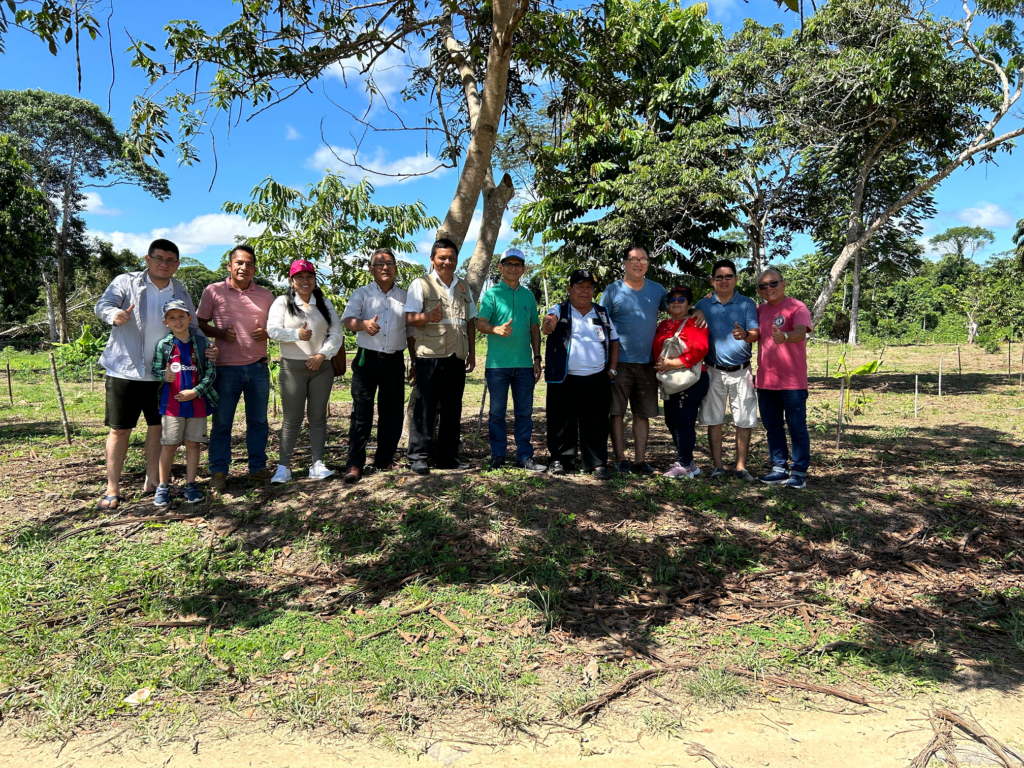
(677, 470)
(692, 470)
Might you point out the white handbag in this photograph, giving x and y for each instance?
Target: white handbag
(679, 379)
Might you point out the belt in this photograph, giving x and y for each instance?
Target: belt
(381, 354)
(456, 321)
(730, 368)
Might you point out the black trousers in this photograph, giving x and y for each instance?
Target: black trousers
(383, 375)
(441, 382)
(578, 418)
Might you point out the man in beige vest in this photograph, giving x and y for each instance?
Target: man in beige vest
(439, 308)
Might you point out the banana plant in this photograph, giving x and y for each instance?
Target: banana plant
(843, 371)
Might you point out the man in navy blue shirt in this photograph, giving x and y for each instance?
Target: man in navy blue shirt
(633, 304)
(732, 330)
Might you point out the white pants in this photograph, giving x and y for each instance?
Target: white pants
(736, 388)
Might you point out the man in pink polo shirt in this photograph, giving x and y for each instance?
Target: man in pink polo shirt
(781, 380)
(235, 313)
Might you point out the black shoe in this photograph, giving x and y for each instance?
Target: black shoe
(457, 464)
(531, 466)
(496, 462)
(601, 473)
(420, 468)
(556, 468)
(624, 467)
(643, 468)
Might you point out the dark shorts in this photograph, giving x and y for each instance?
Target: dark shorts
(636, 385)
(126, 399)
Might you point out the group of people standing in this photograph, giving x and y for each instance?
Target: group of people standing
(178, 365)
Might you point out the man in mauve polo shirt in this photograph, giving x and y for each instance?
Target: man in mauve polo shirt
(238, 309)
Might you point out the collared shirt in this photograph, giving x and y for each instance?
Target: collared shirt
(283, 327)
(414, 298)
(389, 308)
(245, 310)
(635, 314)
(586, 346)
(153, 327)
(724, 350)
(782, 366)
(498, 306)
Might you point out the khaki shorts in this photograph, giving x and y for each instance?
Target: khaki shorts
(178, 428)
(736, 388)
(637, 385)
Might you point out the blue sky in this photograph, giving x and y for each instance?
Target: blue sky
(285, 142)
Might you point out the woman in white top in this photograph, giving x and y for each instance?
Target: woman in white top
(306, 326)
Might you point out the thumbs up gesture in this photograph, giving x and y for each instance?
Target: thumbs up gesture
(229, 335)
(504, 330)
(372, 327)
(123, 316)
(168, 374)
(739, 333)
(304, 333)
(436, 315)
(260, 334)
(548, 324)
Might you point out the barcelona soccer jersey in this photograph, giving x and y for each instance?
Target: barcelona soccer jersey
(186, 376)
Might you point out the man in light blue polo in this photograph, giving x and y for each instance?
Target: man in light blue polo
(633, 304)
(732, 330)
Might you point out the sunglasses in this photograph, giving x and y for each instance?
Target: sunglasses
(723, 278)
(383, 264)
(677, 300)
(769, 284)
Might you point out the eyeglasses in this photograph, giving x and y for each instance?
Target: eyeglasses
(769, 284)
(634, 262)
(677, 300)
(155, 260)
(513, 265)
(382, 264)
(723, 278)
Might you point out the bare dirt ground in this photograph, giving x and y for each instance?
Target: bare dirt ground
(490, 618)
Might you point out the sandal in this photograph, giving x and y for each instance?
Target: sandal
(110, 502)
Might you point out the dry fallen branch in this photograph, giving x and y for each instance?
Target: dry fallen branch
(699, 750)
(448, 622)
(403, 614)
(975, 730)
(122, 521)
(228, 668)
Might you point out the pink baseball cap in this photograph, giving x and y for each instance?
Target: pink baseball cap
(301, 265)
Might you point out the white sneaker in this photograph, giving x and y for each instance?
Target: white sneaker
(319, 472)
(282, 475)
(693, 470)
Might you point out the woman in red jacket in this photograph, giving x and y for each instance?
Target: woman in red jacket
(681, 408)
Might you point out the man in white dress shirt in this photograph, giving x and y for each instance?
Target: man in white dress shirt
(376, 314)
(580, 359)
(439, 308)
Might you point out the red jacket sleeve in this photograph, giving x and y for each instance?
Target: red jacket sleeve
(661, 335)
(697, 342)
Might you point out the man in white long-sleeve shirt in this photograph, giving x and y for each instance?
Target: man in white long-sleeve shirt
(375, 313)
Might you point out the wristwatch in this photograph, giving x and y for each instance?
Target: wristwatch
(785, 336)
(613, 372)
(537, 357)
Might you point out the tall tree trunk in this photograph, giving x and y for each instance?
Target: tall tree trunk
(51, 315)
(70, 193)
(485, 107)
(855, 299)
(496, 199)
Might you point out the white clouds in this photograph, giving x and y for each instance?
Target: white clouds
(390, 73)
(191, 237)
(382, 170)
(94, 205)
(987, 215)
(291, 134)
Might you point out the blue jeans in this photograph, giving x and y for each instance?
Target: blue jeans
(251, 381)
(498, 382)
(779, 408)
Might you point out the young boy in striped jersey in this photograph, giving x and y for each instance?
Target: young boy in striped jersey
(186, 399)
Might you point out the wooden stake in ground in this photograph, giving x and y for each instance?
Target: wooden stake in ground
(1009, 346)
(10, 390)
(91, 387)
(480, 416)
(828, 347)
(60, 400)
(940, 377)
(959, 367)
(839, 422)
(915, 396)
(1020, 381)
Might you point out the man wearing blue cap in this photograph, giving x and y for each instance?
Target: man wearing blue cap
(508, 317)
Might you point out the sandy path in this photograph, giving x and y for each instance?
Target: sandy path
(752, 736)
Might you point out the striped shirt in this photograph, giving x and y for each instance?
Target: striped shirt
(186, 376)
(389, 308)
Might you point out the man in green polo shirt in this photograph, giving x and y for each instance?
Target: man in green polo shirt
(508, 316)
